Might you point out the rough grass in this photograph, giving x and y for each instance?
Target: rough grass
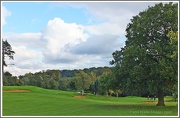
(44, 102)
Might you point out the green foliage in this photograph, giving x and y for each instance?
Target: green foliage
(175, 92)
(145, 62)
(83, 81)
(173, 68)
(93, 84)
(9, 80)
(66, 79)
(105, 83)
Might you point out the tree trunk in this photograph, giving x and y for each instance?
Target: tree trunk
(82, 91)
(117, 95)
(2, 61)
(160, 98)
(106, 94)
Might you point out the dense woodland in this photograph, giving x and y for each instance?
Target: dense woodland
(146, 65)
(88, 80)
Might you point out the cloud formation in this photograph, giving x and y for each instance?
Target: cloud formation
(59, 37)
(63, 45)
(98, 45)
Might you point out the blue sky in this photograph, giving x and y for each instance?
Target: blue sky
(33, 16)
(65, 35)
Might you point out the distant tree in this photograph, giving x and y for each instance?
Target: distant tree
(64, 84)
(105, 83)
(7, 51)
(55, 74)
(118, 91)
(25, 80)
(82, 81)
(72, 84)
(52, 84)
(93, 78)
(9, 80)
(96, 86)
(46, 79)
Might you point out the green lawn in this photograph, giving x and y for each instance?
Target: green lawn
(43, 102)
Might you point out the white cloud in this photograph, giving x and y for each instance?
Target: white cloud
(4, 13)
(16, 71)
(28, 40)
(114, 16)
(25, 58)
(46, 50)
(67, 43)
(28, 55)
(104, 29)
(59, 36)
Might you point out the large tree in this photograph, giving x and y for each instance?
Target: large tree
(144, 62)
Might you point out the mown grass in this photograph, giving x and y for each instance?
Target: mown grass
(44, 102)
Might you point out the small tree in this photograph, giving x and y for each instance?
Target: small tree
(83, 81)
(105, 83)
(6, 52)
(93, 78)
(118, 91)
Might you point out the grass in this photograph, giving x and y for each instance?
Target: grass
(44, 102)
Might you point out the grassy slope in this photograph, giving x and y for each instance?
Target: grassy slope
(43, 102)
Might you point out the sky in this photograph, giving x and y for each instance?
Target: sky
(65, 35)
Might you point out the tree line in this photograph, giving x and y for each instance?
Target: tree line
(87, 79)
(97, 81)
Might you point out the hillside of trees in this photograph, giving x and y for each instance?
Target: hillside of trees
(87, 79)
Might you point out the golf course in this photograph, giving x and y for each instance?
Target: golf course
(35, 101)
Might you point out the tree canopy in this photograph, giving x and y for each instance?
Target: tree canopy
(144, 62)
